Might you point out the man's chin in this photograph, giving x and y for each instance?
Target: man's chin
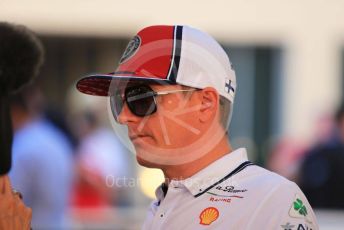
(145, 163)
(151, 159)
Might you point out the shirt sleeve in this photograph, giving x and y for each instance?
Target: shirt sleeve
(284, 207)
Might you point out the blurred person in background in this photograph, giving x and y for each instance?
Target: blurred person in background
(287, 154)
(321, 175)
(59, 118)
(99, 155)
(21, 56)
(285, 158)
(42, 160)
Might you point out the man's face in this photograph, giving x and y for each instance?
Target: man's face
(174, 127)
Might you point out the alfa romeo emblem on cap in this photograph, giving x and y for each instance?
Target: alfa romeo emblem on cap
(131, 49)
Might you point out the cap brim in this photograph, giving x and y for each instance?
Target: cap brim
(99, 84)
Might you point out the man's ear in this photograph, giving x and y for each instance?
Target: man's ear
(210, 101)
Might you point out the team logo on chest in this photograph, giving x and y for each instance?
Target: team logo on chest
(227, 191)
(214, 199)
(230, 189)
(208, 215)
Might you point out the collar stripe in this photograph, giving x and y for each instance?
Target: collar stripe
(235, 171)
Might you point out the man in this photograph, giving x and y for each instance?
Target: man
(174, 90)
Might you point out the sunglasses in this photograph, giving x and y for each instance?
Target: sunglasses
(141, 100)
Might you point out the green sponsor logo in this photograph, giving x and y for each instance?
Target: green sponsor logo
(300, 207)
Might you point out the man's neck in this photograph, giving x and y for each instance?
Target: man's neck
(184, 171)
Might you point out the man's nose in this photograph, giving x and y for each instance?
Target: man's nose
(126, 115)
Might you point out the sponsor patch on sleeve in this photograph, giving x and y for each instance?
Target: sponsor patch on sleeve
(299, 209)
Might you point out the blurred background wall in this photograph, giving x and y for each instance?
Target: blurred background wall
(310, 35)
(288, 57)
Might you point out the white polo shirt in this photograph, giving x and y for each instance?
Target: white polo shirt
(231, 193)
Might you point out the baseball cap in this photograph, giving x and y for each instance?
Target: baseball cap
(169, 54)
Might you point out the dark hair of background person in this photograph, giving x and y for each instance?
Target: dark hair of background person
(31, 100)
(58, 119)
(21, 56)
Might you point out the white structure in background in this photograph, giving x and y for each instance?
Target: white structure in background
(311, 32)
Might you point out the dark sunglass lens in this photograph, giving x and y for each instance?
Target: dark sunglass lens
(140, 100)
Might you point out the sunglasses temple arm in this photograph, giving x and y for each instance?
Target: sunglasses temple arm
(173, 91)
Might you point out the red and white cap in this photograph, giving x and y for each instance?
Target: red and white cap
(169, 55)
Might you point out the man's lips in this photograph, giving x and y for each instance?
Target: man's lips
(137, 137)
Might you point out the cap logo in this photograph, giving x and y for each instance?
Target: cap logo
(208, 215)
(228, 86)
(131, 49)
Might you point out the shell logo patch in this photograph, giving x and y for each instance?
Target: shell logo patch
(208, 215)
